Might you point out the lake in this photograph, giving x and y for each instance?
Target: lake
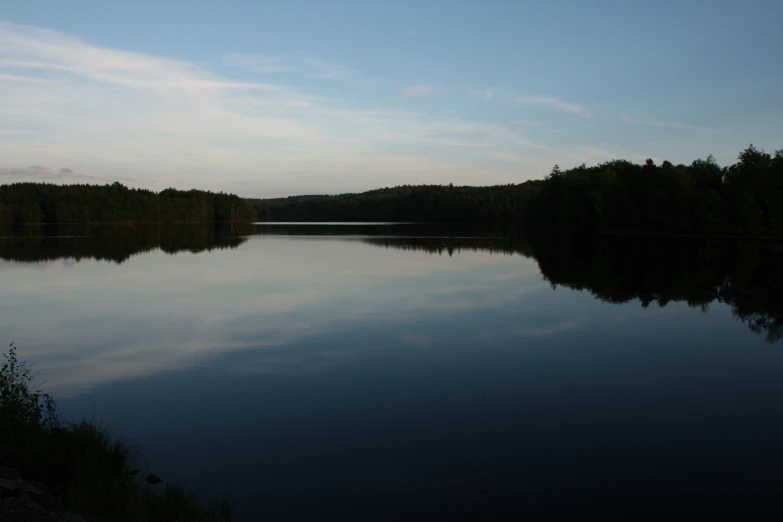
(412, 372)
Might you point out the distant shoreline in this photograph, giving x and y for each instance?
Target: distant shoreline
(599, 233)
(125, 223)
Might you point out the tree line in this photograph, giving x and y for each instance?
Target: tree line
(22, 203)
(745, 198)
(407, 203)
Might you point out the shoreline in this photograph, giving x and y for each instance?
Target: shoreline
(59, 471)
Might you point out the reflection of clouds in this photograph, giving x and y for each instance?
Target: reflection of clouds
(416, 340)
(98, 322)
(554, 328)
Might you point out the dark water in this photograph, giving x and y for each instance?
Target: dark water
(408, 372)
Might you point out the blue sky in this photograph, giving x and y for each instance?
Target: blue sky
(277, 98)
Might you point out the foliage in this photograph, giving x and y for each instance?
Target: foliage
(24, 412)
(93, 473)
(702, 198)
(617, 196)
(425, 203)
(115, 203)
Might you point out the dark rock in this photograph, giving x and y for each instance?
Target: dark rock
(28, 501)
(153, 479)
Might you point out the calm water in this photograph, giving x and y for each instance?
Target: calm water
(402, 371)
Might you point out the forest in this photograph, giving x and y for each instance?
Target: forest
(407, 203)
(743, 199)
(23, 203)
(618, 196)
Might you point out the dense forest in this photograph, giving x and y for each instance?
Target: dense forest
(745, 198)
(48, 203)
(408, 203)
(617, 196)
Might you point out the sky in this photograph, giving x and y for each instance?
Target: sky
(276, 98)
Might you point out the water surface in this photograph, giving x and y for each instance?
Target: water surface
(411, 372)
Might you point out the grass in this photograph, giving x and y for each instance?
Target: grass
(93, 473)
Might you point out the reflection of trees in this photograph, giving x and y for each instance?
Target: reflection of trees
(116, 243)
(451, 245)
(746, 276)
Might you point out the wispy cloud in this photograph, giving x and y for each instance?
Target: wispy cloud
(45, 173)
(25, 47)
(553, 103)
(123, 115)
(420, 341)
(669, 124)
(555, 328)
(487, 94)
(291, 63)
(17, 78)
(506, 156)
(501, 94)
(418, 89)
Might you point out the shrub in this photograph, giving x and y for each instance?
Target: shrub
(90, 471)
(26, 415)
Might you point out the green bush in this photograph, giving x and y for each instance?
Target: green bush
(93, 473)
(26, 415)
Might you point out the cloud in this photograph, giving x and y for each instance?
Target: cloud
(489, 93)
(505, 156)
(492, 93)
(669, 125)
(507, 96)
(419, 89)
(553, 103)
(23, 79)
(164, 122)
(24, 47)
(555, 328)
(290, 63)
(42, 172)
(265, 64)
(416, 340)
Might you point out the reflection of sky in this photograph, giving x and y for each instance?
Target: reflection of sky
(260, 371)
(92, 321)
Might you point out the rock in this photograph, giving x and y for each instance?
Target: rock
(28, 501)
(7, 485)
(153, 479)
